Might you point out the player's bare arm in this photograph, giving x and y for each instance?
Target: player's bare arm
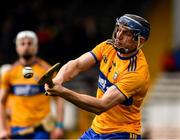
(74, 67)
(59, 131)
(112, 97)
(3, 99)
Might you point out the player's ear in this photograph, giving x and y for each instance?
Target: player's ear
(142, 40)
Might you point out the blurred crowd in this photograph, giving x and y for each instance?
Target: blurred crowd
(60, 38)
(65, 29)
(171, 60)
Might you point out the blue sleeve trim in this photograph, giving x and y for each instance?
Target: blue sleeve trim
(128, 101)
(121, 92)
(94, 56)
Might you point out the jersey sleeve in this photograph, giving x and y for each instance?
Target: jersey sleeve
(131, 83)
(5, 80)
(97, 52)
(45, 65)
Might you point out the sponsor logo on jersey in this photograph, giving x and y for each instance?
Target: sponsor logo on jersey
(103, 82)
(27, 90)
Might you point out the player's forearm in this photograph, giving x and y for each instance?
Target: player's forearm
(85, 102)
(60, 110)
(2, 116)
(3, 100)
(68, 71)
(74, 67)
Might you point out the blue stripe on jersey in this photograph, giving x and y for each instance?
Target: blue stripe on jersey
(27, 90)
(103, 82)
(94, 56)
(128, 101)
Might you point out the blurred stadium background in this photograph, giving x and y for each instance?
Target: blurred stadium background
(67, 29)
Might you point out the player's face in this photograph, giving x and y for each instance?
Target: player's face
(26, 48)
(124, 38)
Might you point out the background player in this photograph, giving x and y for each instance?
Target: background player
(122, 85)
(29, 106)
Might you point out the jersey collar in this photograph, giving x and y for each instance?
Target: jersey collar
(126, 58)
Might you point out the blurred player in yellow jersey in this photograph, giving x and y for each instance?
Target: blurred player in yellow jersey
(29, 106)
(122, 85)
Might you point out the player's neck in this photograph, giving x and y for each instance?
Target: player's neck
(29, 62)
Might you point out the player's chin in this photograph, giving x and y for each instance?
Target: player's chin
(118, 45)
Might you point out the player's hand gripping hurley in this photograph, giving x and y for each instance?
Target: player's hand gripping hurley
(47, 77)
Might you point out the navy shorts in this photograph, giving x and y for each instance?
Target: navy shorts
(90, 134)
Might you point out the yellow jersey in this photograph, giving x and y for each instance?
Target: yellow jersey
(131, 77)
(28, 103)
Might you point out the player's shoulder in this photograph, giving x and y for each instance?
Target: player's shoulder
(42, 63)
(15, 65)
(5, 68)
(109, 42)
(138, 64)
(142, 58)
